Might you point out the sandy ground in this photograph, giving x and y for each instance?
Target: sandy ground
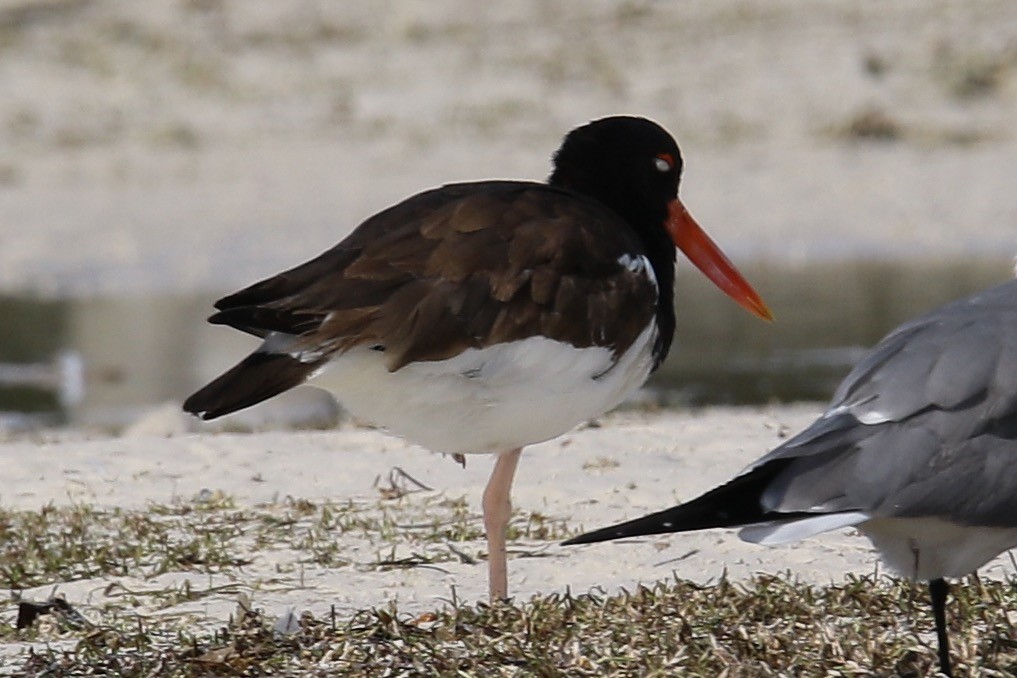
(172, 147)
(634, 463)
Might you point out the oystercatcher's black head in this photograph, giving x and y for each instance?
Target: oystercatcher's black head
(630, 164)
(633, 166)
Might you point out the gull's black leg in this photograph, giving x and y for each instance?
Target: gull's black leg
(938, 588)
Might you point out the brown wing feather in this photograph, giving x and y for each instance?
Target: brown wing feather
(467, 265)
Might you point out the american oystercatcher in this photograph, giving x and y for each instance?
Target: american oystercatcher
(483, 317)
(917, 450)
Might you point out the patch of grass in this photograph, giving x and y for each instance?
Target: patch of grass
(10, 175)
(212, 535)
(175, 135)
(969, 73)
(870, 124)
(80, 542)
(601, 464)
(873, 124)
(147, 618)
(769, 626)
(21, 15)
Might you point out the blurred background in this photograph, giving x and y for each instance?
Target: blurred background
(857, 159)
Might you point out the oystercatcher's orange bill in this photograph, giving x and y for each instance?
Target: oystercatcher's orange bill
(691, 239)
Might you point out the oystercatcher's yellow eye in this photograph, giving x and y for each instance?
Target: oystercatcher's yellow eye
(664, 162)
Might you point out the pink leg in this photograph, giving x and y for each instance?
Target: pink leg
(497, 511)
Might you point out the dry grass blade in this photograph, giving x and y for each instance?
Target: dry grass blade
(770, 626)
(764, 627)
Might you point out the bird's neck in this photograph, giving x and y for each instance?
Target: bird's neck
(661, 253)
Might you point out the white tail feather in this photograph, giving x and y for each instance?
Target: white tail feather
(783, 532)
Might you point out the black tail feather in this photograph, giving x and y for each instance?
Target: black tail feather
(734, 504)
(257, 377)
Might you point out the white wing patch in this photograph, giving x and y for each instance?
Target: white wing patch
(639, 264)
(873, 417)
(784, 531)
(280, 342)
(868, 417)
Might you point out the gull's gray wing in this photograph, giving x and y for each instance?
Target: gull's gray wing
(925, 425)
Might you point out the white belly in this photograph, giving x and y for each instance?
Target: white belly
(492, 399)
(930, 548)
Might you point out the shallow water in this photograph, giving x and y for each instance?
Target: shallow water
(827, 316)
(101, 361)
